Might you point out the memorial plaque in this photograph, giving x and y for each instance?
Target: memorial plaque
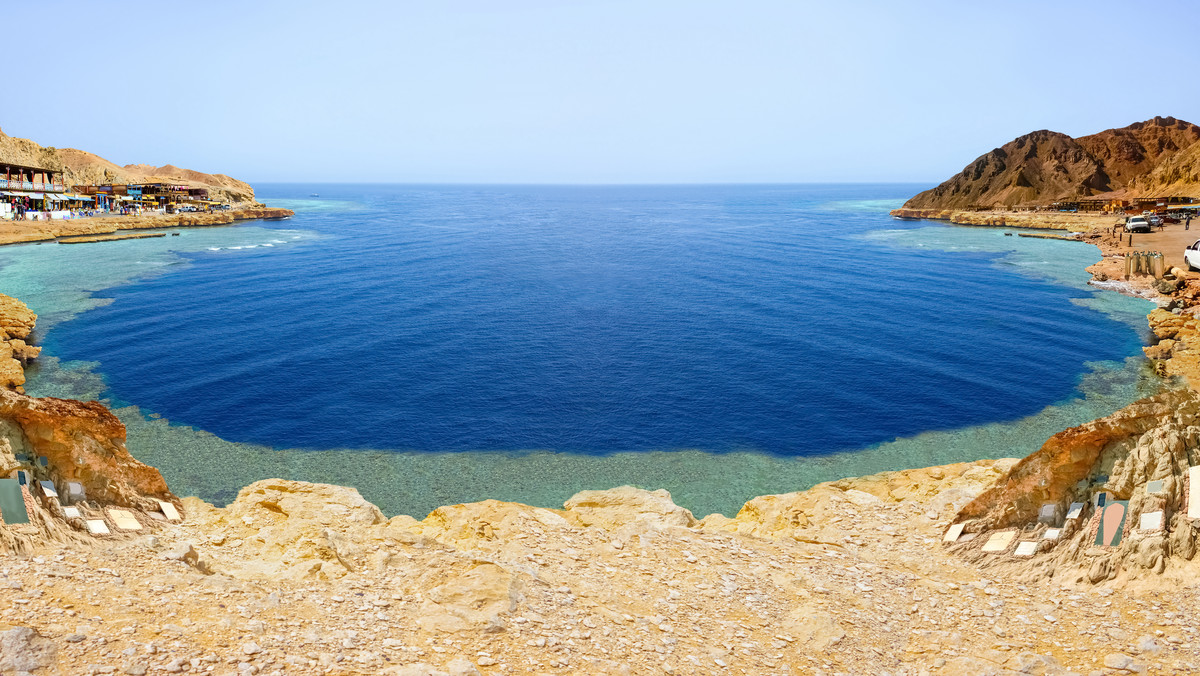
(1000, 541)
(1151, 521)
(1194, 492)
(97, 527)
(1076, 510)
(1112, 523)
(1027, 548)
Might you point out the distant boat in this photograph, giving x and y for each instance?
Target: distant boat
(314, 195)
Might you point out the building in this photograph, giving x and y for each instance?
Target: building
(1159, 204)
(30, 189)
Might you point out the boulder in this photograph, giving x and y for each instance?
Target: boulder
(22, 649)
(617, 507)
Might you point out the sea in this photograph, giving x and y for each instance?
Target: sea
(432, 345)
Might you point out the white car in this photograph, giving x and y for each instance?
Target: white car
(1191, 256)
(1137, 224)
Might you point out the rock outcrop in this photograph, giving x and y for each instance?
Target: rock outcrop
(83, 168)
(1056, 502)
(16, 325)
(78, 450)
(1151, 158)
(80, 442)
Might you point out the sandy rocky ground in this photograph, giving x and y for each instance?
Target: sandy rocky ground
(850, 577)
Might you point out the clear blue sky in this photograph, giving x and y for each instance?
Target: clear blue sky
(587, 91)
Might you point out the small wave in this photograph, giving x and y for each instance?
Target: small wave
(268, 244)
(214, 248)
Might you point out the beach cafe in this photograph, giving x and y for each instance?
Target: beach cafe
(32, 193)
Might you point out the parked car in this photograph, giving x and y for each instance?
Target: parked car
(1137, 224)
(1155, 220)
(1191, 256)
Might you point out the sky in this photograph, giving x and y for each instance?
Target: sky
(531, 91)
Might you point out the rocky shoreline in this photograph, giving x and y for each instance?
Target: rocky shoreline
(999, 218)
(26, 232)
(852, 576)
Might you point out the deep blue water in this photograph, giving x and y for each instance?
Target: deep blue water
(592, 319)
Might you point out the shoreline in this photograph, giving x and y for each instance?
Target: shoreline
(33, 232)
(1111, 386)
(1073, 222)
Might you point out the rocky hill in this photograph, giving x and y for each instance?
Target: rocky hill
(1152, 158)
(83, 168)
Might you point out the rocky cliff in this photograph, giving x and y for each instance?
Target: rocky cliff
(1151, 158)
(83, 168)
(16, 325)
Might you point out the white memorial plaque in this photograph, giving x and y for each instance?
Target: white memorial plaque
(124, 520)
(999, 542)
(1028, 548)
(169, 511)
(1194, 492)
(1151, 521)
(97, 527)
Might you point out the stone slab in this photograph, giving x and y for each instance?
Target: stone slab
(1194, 492)
(49, 489)
(75, 491)
(1000, 541)
(1052, 534)
(12, 503)
(124, 520)
(1027, 548)
(1151, 521)
(170, 512)
(97, 527)
(1076, 510)
(72, 513)
(1154, 486)
(1048, 514)
(1112, 523)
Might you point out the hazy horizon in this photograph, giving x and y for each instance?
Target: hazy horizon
(586, 93)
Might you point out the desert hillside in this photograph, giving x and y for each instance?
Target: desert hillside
(83, 168)
(1158, 157)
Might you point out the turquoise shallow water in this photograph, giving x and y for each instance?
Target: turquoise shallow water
(62, 282)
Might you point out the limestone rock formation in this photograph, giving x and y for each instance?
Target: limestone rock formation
(83, 168)
(81, 442)
(1054, 500)
(16, 324)
(1151, 158)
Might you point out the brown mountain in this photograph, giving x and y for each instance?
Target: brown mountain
(1152, 158)
(83, 168)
